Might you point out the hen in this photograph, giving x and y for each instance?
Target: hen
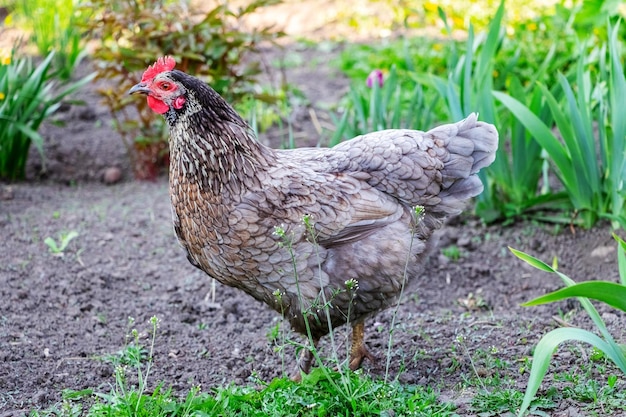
(344, 213)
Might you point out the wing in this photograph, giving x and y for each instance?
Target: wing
(369, 182)
(436, 169)
(342, 207)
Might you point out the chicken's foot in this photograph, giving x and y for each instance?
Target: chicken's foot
(358, 350)
(304, 363)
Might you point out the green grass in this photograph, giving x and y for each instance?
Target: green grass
(315, 395)
(312, 397)
(594, 384)
(489, 383)
(589, 382)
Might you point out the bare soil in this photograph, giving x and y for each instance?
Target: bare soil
(61, 315)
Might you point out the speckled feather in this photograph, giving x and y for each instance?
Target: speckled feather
(229, 193)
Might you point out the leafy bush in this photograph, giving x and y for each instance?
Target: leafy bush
(590, 154)
(611, 293)
(208, 44)
(55, 26)
(532, 68)
(511, 182)
(28, 95)
(458, 85)
(407, 55)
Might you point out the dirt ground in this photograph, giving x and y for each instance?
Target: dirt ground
(61, 315)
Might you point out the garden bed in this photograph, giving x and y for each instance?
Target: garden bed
(462, 333)
(90, 257)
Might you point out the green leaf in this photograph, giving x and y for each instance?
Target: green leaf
(617, 152)
(52, 244)
(547, 345)
(608, 292)
(537, 128)
(32, 135)
(621, 258)
(531, 260)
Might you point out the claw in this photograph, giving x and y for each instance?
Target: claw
(358, 350)
(305, 362)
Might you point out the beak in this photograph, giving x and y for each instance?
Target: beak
(139, 88)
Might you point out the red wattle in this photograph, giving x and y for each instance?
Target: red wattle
(179, 102)
(157, 105)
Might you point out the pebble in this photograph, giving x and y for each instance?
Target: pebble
(464, 241)
(537, 245)
(112, 175)
(6, 193)
(41, 397)
(610, 317)
(443, 259)
(602, 251)
(86, 113)
(231, 306)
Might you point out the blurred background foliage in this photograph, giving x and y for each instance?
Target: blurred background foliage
(519, 64)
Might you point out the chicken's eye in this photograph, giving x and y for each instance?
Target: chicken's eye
(165, 86)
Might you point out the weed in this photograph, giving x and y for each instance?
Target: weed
(137, 357)
(585, 385)
(496, 402)
(310, 310)
(316, 395)
(57, 249)
(452, 252)
(418, 214)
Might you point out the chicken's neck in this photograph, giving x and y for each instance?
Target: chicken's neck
(220, 157)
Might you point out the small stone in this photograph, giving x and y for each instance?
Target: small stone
(231, 306)
(464, 241)
(602, 251)
(537, 245)
(86, 113)
(112, 175)
(610, 317)
(6, 193)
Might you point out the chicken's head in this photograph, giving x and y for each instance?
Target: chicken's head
(163, 90)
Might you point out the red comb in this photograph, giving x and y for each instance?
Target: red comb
(165, 63)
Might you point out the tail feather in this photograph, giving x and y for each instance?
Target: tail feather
(471, 146)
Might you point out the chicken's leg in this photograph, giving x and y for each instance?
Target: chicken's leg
(305, 362)
(358, 350)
